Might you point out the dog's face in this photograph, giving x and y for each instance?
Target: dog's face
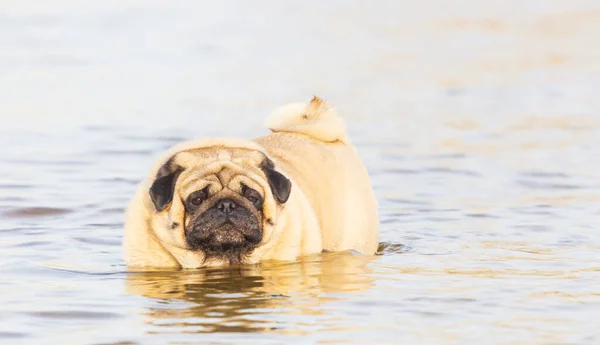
(217, 204)
(223, 221)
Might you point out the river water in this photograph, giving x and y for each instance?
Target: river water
(479, 122)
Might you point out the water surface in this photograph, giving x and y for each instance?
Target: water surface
(479, 123)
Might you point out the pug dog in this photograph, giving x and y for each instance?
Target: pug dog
(299, 190)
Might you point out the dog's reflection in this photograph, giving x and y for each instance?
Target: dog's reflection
(270, 297)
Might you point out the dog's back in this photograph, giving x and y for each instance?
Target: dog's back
(310, 144)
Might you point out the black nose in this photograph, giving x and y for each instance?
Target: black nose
(226, 205)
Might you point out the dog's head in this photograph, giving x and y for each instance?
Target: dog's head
(217, 203)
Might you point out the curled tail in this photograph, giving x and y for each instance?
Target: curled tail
(317, 119)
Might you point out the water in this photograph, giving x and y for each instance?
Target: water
(479, 123)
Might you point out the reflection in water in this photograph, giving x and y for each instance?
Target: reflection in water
(250, 298)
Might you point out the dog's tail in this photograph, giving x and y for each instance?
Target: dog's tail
(317, 119)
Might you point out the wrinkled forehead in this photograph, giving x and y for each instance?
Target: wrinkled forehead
(204, 156)
(220, 168)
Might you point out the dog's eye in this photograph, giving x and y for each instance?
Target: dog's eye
(252, 195)
(197, 198)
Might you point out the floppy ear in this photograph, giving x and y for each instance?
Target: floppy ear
(163, 187)
(280, 185)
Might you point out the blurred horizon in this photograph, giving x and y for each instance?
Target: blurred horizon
(68, 63)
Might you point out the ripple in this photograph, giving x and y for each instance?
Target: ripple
(12, 335)
(533, 227)
(23, 230)
(448, 156)
(25, 268)
(441, 219)
(435, 170)
(155, 139)
(406, 202)
(387, 248)
(452, 171)
(397, 171)
(115, 210)
(124, 152)
(15, 186)
(12, 199)
(428, 210)
(98, 241)
(73, 314)
(441, 300)
(30, 244)
(545, 174)
(105, 225)
(26, 212)
(550, 186)
(395, 220)
(534, 210)
(481, 215)
(50, 162)
(120, 180)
